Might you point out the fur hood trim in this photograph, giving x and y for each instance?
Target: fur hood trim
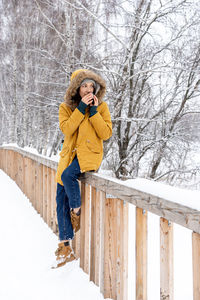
(76, 82)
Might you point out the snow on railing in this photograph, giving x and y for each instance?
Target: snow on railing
(102, 242)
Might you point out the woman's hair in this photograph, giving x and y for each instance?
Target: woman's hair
(77, 98)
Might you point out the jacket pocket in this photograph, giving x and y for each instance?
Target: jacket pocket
(93, 147)
(64, 151)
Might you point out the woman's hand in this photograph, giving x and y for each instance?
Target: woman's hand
(88, 99)
(96, 101)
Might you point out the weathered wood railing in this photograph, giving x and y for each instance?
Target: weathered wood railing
(102, 242)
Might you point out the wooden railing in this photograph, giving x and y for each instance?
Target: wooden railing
(102, 242)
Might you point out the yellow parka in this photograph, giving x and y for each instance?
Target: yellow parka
(84, 135)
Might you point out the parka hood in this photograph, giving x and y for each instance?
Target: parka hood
(76, 82)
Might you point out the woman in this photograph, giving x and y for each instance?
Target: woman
(85, 122)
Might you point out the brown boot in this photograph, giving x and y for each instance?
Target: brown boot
(75, 219)
(64, 254)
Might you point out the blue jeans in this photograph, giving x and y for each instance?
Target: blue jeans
(68, 197)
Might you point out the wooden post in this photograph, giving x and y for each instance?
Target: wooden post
(53, 201)
(17, 162)
(12, 165)
(8, 163)
(110, 243)
(196, 265)
(30, 180)
(33, 179)
(40, 196)
(25, 176)
(1, 159)
(125, 238)
(76, 243)
(44, 207)
(141, 254)
(115, 250)
(166, 260)
(21, 167)
(36, 185)
(95, 236)
(85, 227)
(102, 233)
(49, 189)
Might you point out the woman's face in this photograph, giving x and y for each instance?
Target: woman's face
(86, 88)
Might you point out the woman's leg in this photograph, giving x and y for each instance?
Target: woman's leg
(70, 180)
(63, 215)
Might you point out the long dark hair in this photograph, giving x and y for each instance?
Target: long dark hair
(77, 98)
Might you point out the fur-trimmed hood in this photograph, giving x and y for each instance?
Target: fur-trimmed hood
(76, 82)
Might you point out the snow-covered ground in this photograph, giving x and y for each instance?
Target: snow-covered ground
(27, 252)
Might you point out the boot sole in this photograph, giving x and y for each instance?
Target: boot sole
(68, 259)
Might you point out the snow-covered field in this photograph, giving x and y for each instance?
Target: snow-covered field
(27, 252)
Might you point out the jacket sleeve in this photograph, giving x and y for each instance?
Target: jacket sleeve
(69, 121)
(101, 122)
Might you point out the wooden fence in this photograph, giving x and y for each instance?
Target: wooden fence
(102, 242)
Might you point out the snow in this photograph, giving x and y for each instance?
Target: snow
(27, 253)
(28, 149)
(185, 197)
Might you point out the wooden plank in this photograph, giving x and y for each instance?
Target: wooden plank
(53, 201)
(110, 244)
(30, 185)
(122, 250)
(102, 239)
(166, 260)
(16, 167)
(8, 163)
(25, 176)
(125, 240)
(196, 265)
(141, 254)
(85, 227)
(30, 179)
(11, 164)
(115, 249)
(40, 196)
(3, 151)
(49, 199)
(44, 206)
(1, 159)
(76, 244)
(82, 229)
(21, 171)
(33, 180)
(95, 237)
(36, 186)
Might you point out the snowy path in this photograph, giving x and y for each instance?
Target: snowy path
(27, 251)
